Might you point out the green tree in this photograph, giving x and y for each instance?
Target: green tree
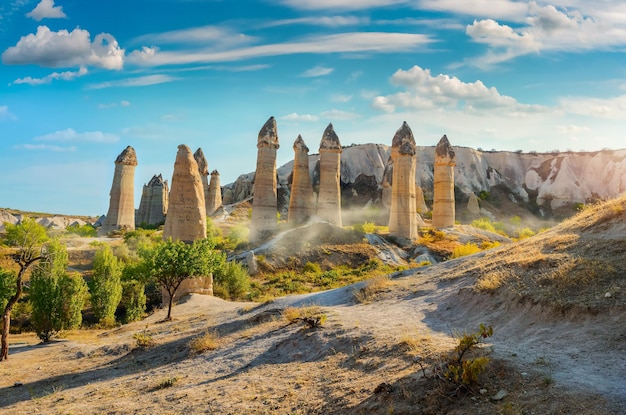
(72, 296)
(106, 286)
(170, 262)
(133, 300)
(28, 238)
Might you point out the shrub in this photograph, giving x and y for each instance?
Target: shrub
(525, 233)
(133, 300)
(371, 290)
(106, 286)
(166, 383)
(201, 344)
(483, 223)
(312, 268)
(466, 372)
(464, 250)
(232, 278)
(144, 339)
(311, 316)
(86, 230)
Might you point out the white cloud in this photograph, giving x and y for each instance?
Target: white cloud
(71, 135)
(496, 9)
(46, 10)
(65, 49)
(369, 93)
(122, 103)
(317, 71)
(64, 76)
(336, 114)
(424, 91)
(341, 98)
(373, 42)
(607, 108)
(5, 114)
(214, 35)
(329, 21)
(339, 4)
(134, 82)
(300, 117)
(46, 147)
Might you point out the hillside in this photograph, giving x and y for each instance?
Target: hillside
(557, 344)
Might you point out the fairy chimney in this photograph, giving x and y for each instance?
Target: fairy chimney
(301, 199)
(153, 203)
(443, 204)
(215, 193)
(186, 214)
(329, 197)
(420, 202)
(403, 216)
(472, 204)
(386, 184)
(121, 214)
(264, 203)
(203, 169)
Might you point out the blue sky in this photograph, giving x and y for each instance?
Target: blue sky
(81, 80)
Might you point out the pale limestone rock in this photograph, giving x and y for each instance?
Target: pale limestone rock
(443, 194)
(6, 217)
(186, 214)
(203, 169)
(251, 262)
(154, 202)
(472, 204)
(403, 216)
(121, 214)
(264, 202)
(386, 184)
(198, 285)
(301, 199)
(329, 196)
(420, 202)
(215, 193)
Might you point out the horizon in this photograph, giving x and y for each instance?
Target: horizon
(81, 82)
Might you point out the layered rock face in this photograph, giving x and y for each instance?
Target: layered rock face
(403, 215)
(329, 197)
(301, 202)
(215, 193)
(443, 192)
(154, 202)
(203, 169)
(121, 213)
(186, 214)
(264, 204)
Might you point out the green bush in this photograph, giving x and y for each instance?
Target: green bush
(464, 250)
(133, 300)
(483, 223)
(312, 268)
(8, 279)
(86, 230)
(106, 286)
(232, 278)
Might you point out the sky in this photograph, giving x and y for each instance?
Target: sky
(81, 80)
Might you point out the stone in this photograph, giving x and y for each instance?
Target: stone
(403, 215)
(121, 214)
(264, 202)
(6, 217)
(443, 192)
(154, 202)
(186, 214)
(203, 169)
(419, 200)
(301, 201)
(500, 395)
(251, 262)
(329, 196)
(215, 193)
(472, 204)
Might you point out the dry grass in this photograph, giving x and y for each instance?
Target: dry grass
(372, 289)
(208, 341)
(312, 316)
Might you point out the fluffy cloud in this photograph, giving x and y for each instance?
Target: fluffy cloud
(339, 4)
(46, 9)
(328, 21)
(424, 91)
(45, 147)
(213, 35)
(65, 49)
(64, 76)
(71, 135)
(134, 82)
(317, 71)
(300, 117)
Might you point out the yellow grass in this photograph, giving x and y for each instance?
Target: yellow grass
(208, 341)
(372, 289)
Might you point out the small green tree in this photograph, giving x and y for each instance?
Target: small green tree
(106, 286)
(7, 286)
(133, 300)
(28, 238)
(72, 294)
(170, 262)
(231, 279)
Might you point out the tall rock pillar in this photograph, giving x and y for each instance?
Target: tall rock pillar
(154, 201)
(186, 214)
(301, 199)
(443, 203)
(329, 197)
(264, 203)
(121, 214)
(403, 216)
(215, 193)
(203, 169)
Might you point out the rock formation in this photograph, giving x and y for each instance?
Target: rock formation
(203, 169)
(403, 215)
(301, 206)
(472, 204)
(329, 196)
(154, 202)
(186, 214)
(443, 192)
(121, 214)
(215, 193)
(420, 202)
(264, 205)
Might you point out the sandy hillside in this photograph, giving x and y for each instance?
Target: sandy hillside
(558, 344)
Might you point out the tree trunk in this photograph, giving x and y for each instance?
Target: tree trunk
(6, 317)
(169, 307)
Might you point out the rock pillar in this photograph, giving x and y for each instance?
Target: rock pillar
(472, 204)
(203, 169)
(215, 193)
(301, 199)
(329, 197)
(264, 202)
(121, 214)
(386, 184)
(186, 214)
(154, 201)
(420, 202)
(403, 216)
(443, 204)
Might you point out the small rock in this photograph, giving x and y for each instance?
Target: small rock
(17, 384)
(500, 395)
(607, 295)
(483, 391)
